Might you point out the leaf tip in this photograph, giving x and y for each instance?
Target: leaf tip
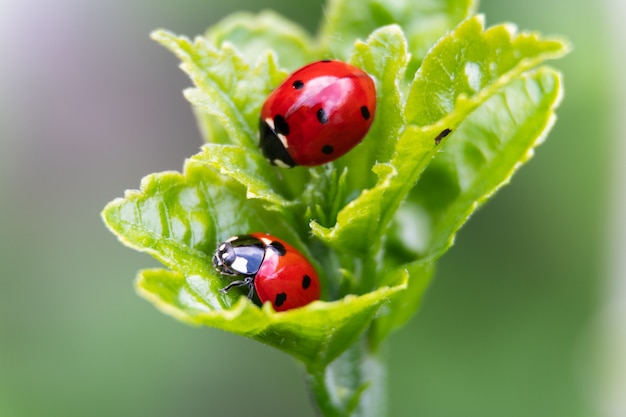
(321, 232)
(162, 36)
(107, 212)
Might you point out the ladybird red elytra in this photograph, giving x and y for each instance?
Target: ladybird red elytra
(271, 267)
(318, 114)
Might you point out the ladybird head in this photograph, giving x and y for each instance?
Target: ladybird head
(239, 255)
(273, 141)
(224, 257)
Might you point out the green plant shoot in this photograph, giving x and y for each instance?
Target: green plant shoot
(460, 108)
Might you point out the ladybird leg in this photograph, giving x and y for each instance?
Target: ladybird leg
(250, 290)
(249, 281)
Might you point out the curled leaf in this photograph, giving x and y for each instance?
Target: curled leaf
(315, 334)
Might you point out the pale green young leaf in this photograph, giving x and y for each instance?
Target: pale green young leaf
(227, 88)
(422, 22)
(247, 168)
(482, 155)
(180, 218)
(255, 35)
(384, 56)
(470, 62)
(315, 334)
(485, 151)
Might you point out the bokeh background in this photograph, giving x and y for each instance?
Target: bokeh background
(526, 317)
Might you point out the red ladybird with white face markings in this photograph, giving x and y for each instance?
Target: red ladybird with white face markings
(276, 270)
(317, 115)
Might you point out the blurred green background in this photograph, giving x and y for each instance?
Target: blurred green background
(517, 322)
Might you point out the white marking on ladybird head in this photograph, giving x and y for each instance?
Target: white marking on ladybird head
(280, 163)
(266, 240)
(240, 264)
(230, 239)
(283, 139)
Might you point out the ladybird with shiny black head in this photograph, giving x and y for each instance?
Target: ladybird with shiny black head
(317, 115)
(276, 270)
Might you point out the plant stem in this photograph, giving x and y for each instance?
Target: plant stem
(352, 385)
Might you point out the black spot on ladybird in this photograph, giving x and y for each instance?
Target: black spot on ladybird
(306, 282)
(280, 248)
(365, 112)
(327, 150)
(445, 132)
(298, 84)
(322, 117)
(280, 125)
(325, 60)
(280, 299)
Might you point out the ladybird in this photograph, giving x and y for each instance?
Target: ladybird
(318, 114)
(276, 270)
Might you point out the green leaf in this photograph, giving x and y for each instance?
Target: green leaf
(180, 218)
(228, 89)
(472, 62)
(482, 155)
(384, 57)
(315, 334)
(423, 22)
(485, 151)
(227, 100)
(372, 211)
(256, 35)
(247, 169)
